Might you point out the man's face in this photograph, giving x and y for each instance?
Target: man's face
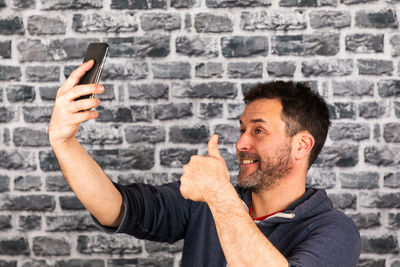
(263, 150)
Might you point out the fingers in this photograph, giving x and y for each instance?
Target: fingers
(82, 116)
(84, 104)
(77, 74)
(84, 89)
(213, 150)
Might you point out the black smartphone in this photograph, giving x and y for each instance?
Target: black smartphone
(98, 52)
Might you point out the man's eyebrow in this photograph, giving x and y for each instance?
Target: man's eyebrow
(255, 121)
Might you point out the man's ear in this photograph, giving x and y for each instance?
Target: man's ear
(303, 142)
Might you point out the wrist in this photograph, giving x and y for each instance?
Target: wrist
(224, 193)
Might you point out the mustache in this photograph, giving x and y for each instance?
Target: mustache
(247, 155)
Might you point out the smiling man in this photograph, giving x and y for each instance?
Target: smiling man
(269, 219)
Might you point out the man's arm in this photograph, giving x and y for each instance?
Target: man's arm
(207, 179)
(86, 178)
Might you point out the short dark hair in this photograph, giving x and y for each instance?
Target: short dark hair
(302, 109)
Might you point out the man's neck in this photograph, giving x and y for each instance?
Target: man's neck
(279, 197)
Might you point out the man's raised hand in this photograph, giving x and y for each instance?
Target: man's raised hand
(205, 176)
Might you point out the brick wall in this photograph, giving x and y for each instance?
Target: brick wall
(176, 73)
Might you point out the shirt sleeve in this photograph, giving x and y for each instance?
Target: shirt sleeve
(329, 245)
(157, 213)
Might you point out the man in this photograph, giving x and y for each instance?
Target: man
(269, 219)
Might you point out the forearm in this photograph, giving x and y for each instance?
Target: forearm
(89, 182)
(241, 240)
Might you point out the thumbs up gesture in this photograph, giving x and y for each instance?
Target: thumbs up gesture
(205, 176)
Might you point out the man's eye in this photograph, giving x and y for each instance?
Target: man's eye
(258, 131)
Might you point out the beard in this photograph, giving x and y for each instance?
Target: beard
(272, 168)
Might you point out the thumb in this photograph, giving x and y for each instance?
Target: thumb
(213, 150)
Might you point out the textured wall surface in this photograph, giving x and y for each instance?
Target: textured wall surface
(176, 73)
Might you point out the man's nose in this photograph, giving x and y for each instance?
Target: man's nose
(244, 142)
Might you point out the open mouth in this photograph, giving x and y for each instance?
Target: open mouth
(249, 161)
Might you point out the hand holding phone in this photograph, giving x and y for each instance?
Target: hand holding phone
(98, 52)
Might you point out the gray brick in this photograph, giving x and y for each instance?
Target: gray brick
(193, 135)
(4, 183)
(383, 18)
(187, 21)
(360, 180)
(298, 3)
(206, 22)
(7, 114)
(237, 3)
(48, 93)
(124, 262)
(171, 70)
(20, 93)
(330, 18)
(75, 48)
(209, 70)
(352, 131)
(324, 44)
(124, 114)
(392, 180)
(24, 4)
(388, 88)
(228, 134)
(344, 201)
(42, 73)
(80, 262)
(160, 21)
(48, 161)
(72, 4)
(29, 222)
(384, 244)
(352, 88)
(235, 111)
(394, 220)
(382, 156)
(145, 4)
(23, 136)
(13, 246)
(11, 25)
(27, 203)
(366, 220)
(27, 183)
(176, 157)
(37, 114)
(395, 45)
(197, 46)
(332, 67)
(5, 49)
(396, 106)
(273, 20)
(370, 110)
(109, 244)
(46, 25)
(391, 132)
(132, 158)
(70, 203)
(93, 134)
(354, 2)
(245, 70)
(10, 73)
(211, 110)
(340, 156)
(5, 222)
(49, 246)
(147, 178)
(157, 260)
(105, 22)
(150, 45)
(57, 184)
(244, 46)
(281, 68)
(320, 179)
(395, 263)
(17, 160)
(225, 90)
(35, 263)
(152, 247)
(173, 111)
(141, 133)
(2, 4)
(364, 43)
(185, 3)
(31, 50)
(380, 200)
(375, 67)
(126, 70)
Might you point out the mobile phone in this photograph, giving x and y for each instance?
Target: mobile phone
(98, 52)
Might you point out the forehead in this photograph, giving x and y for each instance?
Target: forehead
(268, 109)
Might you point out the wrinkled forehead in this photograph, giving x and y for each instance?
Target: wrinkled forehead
(266, 109)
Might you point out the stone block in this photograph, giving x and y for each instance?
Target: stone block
(48, 161)
(145, 4)
(75, 48)
(395, 45)
(388, 88)
(391, 132)
(209, 70)
(360, 180)
(237, 3)
(160, 21)
(105, 22)
(29, 222)
(382, 155)
(57, 184)
(381, 200)
(5, 222)
(93, 134)
(8, 114)
(49, 246)
(68, 223)
(396, 106)
(192, 135)
(330, 68)
(4, 183)
(42, 73)
(147, 178)
(123, 262)
(27, 203)
(245, 70)
(17, 160)
(206, 22)
(148, 91)
(24, 136)
(273, 20)
(10, 73)
(384, 244)
(13, 246)
(372, 110)
(375, 67)
(228, 134)
(32, 50)
(211, 110)
(20, 93)
(366, 220)
(353, 88)
(124, 114)
(244, 46)
(338, 155)
(72, 4)
(81, 262)
(235, 111)
(197, 46)
(394, 220)
(27, 183)
(5, 49)
(176, 157)
(108, 244)
(153, 247)
(37, 114)
(141, 133)
(11, 25)
(343, 201)
(320, 179)
(281, 68)
(330, 18)
(172, 111)
(46, 25)
(225, 90)
(24, 4)
(352, 131)
(364, 43)
(185, 3)
(171, 70)
(157, 260)
(378, 18)
(70, 203)
(298, 3)
(48, 93)
(392, 180)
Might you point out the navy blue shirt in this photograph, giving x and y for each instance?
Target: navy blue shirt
(310, 232)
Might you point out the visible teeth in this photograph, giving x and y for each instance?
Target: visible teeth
(248, 161)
